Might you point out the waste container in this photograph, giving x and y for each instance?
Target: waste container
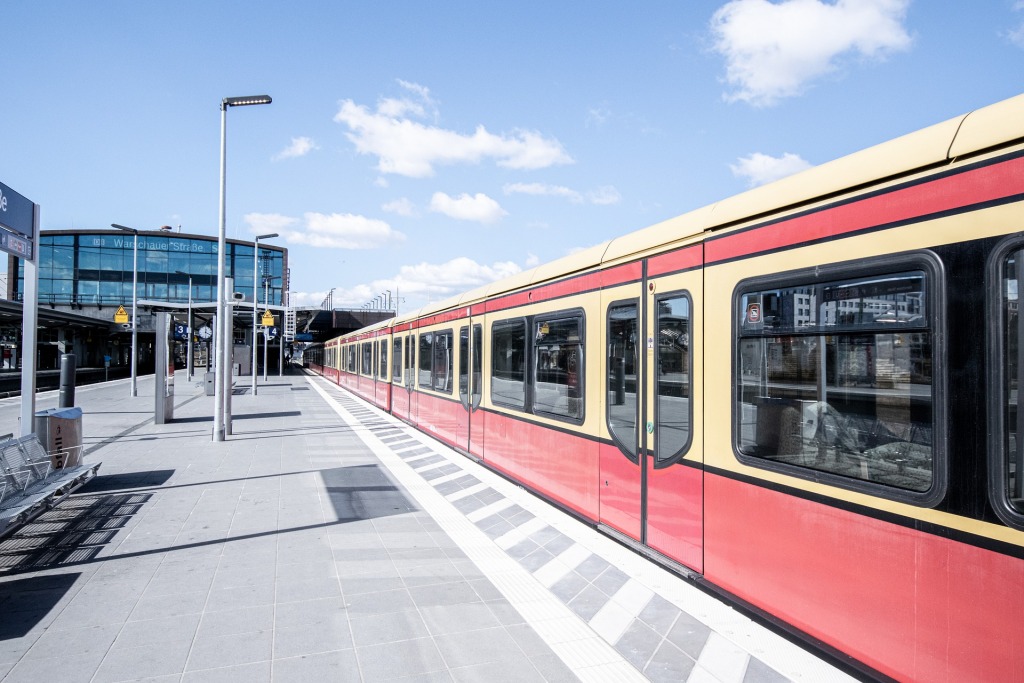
(60, 431)
(211, 383)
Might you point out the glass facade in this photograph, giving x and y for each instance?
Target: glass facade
(95, 268)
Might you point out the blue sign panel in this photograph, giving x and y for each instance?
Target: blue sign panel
(15, 212)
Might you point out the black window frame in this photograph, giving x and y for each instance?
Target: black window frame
(396, 359)
(873, 267)
(533, 350)
(659, 461)
(998, 449)
(631, 451)
(366, 362)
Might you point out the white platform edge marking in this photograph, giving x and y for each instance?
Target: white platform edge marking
(582, 650)
(463, 493)
(520, 533)
(567, 560)
(787, 658)
(488, 510)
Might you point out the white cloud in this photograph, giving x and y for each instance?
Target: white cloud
(759, 169)
(1016, 35)
(405, 146)
(418, 284)
(299, 147)
(541, 189)
(331, 231)
(532, 260)
(478, 207)
(602, 196)
(775, 49)
(402, 207)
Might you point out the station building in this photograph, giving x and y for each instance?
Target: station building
(86, 275)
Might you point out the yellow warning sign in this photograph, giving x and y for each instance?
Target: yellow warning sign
(121, 316)
(268, 319)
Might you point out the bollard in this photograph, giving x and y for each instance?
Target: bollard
(66, 398)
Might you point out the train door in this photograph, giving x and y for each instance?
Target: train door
(470, 352)
(410, 376)
(651, 473)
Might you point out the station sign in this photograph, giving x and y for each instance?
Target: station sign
(16, 219)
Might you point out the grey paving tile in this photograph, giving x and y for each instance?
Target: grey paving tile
(340, 665)
(479, 647)
(212, 652)
(759, 672)
(256, 672)
(669, 664)
(169, 606)
(72, 642)
(505, 612)
(536, 560)
(611, 580)
(659, 614)
(77, 616)
(588, 602)
(442, 571)
(380, 603)
(312, 639)
(569, 586)
(638, 644)
(592, 567)
(312, 589)
(170, 629)
(55, 669)
(399, 659)
(148, 661)
(449, 619)
(553, 669)
(239, 620)
(499, 672)
(453, 593)
(243, 596)
(689, 635)
(377, 629)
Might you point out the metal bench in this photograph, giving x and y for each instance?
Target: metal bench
(31, 485)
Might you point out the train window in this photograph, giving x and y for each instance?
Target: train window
(478, 359)
(383, 359)
(558, 366)
(410, 360)
(464, 364)
(1007, 472)
(352, 358)
(837, 377)
(672, 377)
(367, 365)
(441, 370)
(396, 360)
(623, 364)
(508, 363)
(426, 356)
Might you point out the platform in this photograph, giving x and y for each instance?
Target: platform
(325, 540)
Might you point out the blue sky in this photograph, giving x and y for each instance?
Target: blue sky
(428, 148)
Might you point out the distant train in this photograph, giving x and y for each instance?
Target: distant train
(804, 397)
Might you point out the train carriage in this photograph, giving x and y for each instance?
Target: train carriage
(803, 397)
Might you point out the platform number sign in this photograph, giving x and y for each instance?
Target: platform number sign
(16, 224)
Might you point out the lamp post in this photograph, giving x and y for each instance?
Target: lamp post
(222, 376)
(255, 297)
(188, 346)
(134, 391)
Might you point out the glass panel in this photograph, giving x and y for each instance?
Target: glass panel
(384, 359)
(623, 367)
(508, 363)
(410, 359)
(1013, 447)
(672, 377)
(558, 362)
(426, 355)
(396, 360)
(478, 359)
(463, 362)
(856, 405)
(442, 368)
(367, 366)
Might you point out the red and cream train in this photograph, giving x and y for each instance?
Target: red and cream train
(804, 396)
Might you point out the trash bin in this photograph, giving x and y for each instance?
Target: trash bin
(60, 431)
(211, 383)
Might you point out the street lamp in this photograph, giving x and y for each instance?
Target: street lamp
(134, 391)
(222, 377)
(188, 364)
(255, 296)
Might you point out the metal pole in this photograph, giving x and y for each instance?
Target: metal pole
(255, 296)
(29, 332)
(188, 345)
(218, 386)
(266, 330)
(135, 313)
(229, 353)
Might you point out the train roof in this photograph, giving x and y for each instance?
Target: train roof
(993, 126)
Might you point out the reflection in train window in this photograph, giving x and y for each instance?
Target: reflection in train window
(383, 359)
(623, 365)
(367, 367)
(396, 360)
(837, 377)
(508, 363)
(426, 356)
(478, 359)
(672, 377)
(558, 366)
(1010, 469)
(441, 369)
